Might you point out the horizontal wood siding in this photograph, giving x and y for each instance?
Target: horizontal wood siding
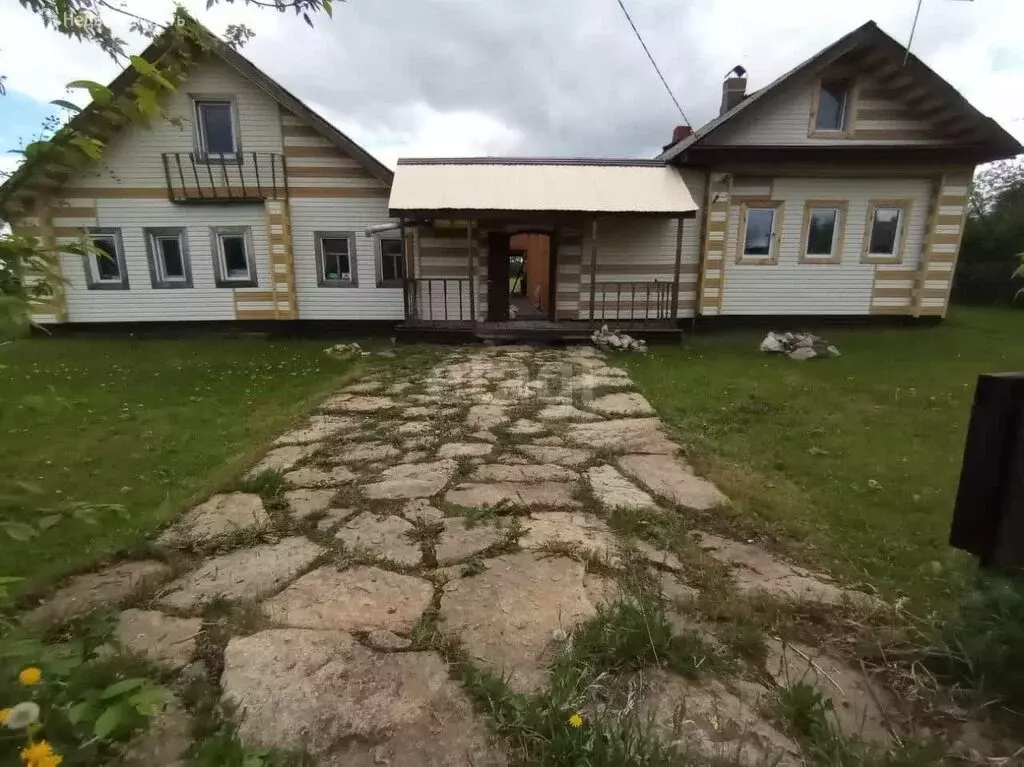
(847, 287)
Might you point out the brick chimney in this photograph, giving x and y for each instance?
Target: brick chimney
(734, 89)
(678, 134)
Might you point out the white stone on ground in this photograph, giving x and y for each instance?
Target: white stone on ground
(459, 542)
(656, 556)
(485, 416)
(589, 533)
(563, 456)
(367, 451)
(755, 570)
(382, 537)
(346, 403)
(613, 491)
(464, 449)
(306, 503)
(398, 388)
(221, 515)
(492, 472)
(565, 413)
(484, 436)
(420, 509)
(478, 495)
(312, 476)
(382, 639)
(588, 381)
(508, 615)
(673, 479)
(317, 429)
(107, 586)
(412, 428)
(549, 440)
(163, 639)
(526, 426)
(245, 574)
(622, 403)
(323, 692)
(859, 705)
(282, 458)
(419, 411)
(412, 480)
(623, 435)
(364, 387)
(415, 456)
(357, 599)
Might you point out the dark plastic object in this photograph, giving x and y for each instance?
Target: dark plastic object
(988, 519)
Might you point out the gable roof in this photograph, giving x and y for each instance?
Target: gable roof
(868, 35)
(94, 120)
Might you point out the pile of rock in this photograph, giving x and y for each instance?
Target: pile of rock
(344, 351)
(616, 339)
(798, 346)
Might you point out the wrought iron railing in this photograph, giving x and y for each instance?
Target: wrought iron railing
(622, 301)
(242, 177)
(437, 299)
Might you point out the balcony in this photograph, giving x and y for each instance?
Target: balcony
(245, 177)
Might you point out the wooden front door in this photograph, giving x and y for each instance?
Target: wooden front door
(497, 276)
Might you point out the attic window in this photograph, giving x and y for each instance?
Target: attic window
(216, 127)
(831, 107)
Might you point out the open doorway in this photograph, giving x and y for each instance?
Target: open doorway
(519, 276)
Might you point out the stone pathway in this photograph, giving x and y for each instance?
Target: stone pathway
(475, 497)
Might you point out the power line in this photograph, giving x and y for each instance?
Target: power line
(654, 63)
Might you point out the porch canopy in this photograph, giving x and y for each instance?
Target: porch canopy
(492, 187)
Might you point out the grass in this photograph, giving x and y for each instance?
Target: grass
(154, 425)
(851, 463)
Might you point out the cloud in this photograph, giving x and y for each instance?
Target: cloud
(407, 77)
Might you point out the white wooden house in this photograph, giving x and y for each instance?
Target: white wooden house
(839, 189)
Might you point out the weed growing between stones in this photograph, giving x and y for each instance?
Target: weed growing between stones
(269, 483)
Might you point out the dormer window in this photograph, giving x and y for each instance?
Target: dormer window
(831, 106)
(216, 128)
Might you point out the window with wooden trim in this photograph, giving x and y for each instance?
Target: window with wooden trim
(760, 223)
(824, 224)
(831, 106)
(335, 259)
(233, 259)
(216, 127)
(391, 262)
(885, 235)
(105, 267)
(169, 265)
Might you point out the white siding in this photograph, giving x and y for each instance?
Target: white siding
(365, 302)
(782, 118)
(141, 302)
(790, 287)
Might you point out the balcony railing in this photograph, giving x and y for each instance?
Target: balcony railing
(243, 177)
(630, 301)
(437, 299)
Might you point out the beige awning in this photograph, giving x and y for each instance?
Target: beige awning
(437, 186)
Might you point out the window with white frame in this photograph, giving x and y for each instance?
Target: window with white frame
(335, 259)
(105, 267)
(216, 130)
(758, 241)
(886, 231)
(169, 265)
(823, 231)
(832, 105)
(233, 257)
(392, 262)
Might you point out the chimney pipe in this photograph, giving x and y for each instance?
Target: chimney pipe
(678, 134)
(734, 88)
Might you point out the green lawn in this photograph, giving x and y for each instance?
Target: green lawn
(150, 424)
(851, 464)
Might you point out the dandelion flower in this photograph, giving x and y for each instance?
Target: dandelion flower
(576, 720)
(22, 715)
(41, 755)
(30, 676)
(4, 713)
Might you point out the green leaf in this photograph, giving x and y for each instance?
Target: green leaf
(327, 7)
(149, 701)
(45, 523)
(91, 147)
(78, 712)
(19, 531)
(120, 688)
(253, 760)
(99, 93)
(109, 720)
(66, 105)
(146, 69)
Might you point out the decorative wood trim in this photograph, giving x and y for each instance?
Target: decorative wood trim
(326, 171)
(895, 274)
(593, 265)
(57, 304)
(840, 235)
(311, 151)
(70, 212)
(471, 259)
(337, 191)
(776, 240)
(299, 131)
(906, 206)
(929, 241)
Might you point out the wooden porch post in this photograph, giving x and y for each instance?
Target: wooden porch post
(677, 269)
(471, 255)
(593, 266)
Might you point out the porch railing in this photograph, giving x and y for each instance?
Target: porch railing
(437, 299)
(243, 177)
(622, 301)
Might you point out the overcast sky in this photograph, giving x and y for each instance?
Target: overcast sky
(535, 77)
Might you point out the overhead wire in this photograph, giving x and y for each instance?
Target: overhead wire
(653, 62)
